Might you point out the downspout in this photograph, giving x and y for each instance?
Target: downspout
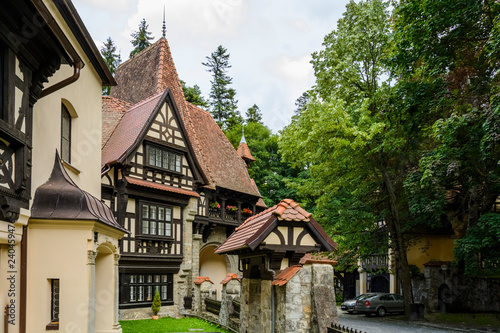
(77, 65)
(61, 37)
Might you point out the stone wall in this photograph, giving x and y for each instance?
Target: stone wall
(447, 290)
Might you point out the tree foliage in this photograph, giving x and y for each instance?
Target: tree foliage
(222, 100)
(449, 50)
(141, 38)
(193, 95)
(111, 58)
(353, 142)
(254, 115)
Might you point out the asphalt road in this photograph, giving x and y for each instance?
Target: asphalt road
(375, 324)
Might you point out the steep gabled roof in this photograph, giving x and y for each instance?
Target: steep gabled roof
(252, 232)
(149, 73)
(130, 130)
(219, 161)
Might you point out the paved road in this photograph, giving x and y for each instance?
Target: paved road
(375, 324)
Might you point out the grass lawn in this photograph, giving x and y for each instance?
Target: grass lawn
(472, 320)
(168, 324)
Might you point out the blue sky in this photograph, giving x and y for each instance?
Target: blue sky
(270, 42)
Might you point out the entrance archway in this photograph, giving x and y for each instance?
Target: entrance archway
(380, 283)
(214, 266)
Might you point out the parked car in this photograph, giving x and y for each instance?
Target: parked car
(380, 304)
(349, 304)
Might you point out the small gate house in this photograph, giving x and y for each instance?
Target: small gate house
(278, 288)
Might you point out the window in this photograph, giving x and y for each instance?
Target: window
(142, 288)
(164, 159)
(156, 220)
(65, 134)
(54, 305)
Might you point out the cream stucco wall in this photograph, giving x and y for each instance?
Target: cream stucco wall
(84, 96)
(63, 250)
(429, 248)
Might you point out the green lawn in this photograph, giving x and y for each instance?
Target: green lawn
(168, 324)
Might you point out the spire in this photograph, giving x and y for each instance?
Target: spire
(164, 27)
(243, 135)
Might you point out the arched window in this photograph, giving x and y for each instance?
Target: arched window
(65, 134)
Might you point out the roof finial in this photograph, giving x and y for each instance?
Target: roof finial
(243, 135)
(164, 27)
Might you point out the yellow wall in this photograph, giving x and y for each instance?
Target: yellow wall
(431, 247)
(85, 97)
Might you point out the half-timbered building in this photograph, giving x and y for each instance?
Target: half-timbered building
(173, 180)
(58, 241)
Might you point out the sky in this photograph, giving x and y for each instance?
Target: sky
(270, 42)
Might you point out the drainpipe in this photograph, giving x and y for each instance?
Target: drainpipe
(61, 37)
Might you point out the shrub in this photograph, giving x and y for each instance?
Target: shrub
(155, 307)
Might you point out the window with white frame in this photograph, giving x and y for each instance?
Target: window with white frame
(165, 159)
(156, 220)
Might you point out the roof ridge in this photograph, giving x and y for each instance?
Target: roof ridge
(251, 218)
(125, 105)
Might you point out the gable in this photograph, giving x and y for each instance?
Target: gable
(165, 128)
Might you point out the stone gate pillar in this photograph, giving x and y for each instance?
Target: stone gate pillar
(231, 287)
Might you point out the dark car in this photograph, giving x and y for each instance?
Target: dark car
(380, 304)
(349, 304)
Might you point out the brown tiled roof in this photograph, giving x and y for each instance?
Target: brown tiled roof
(286, 275)
(254, 228)
(148, 73)
(129, 130)
(317, 258)
(113, 110)
(244, 152)
(61, 199)
(229, 277)
(161, 187)
(219, 161)
(201, 279)
(260, 202)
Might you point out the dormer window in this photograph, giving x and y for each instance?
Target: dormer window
(164, 159)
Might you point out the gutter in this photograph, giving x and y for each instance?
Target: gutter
(61, 37)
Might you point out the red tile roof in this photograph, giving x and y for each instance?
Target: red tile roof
(247, 235)
(201, 279)
(286, 275)
(161, 187)
(112, 111)
(229, 277)
(128, 130)
(219, 161)
(244, 152)
(148, 73)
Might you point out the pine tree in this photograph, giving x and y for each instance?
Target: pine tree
(254, 115)
(141, 37)
(222, 97)
(111, 58)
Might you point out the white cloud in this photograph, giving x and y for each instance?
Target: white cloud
(296, 69)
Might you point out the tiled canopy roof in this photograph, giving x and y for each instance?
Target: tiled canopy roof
(248, 234)
(286, 275)
(201, 279)
(161, 187)
(61, 199)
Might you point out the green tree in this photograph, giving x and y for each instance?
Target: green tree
(156, 305)
(450, 50)
(141, 38)
(193, 95)
(354, 144)
(222, 100)
(111, 58)
(254, 115)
